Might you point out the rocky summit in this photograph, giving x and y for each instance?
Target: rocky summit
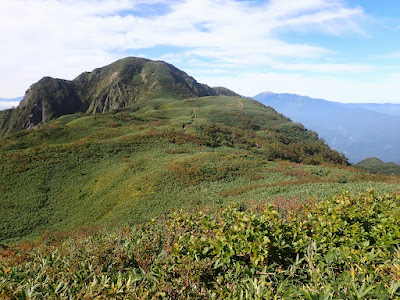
(104, 89)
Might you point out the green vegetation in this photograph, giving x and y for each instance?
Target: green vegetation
(7, 118)
(137, 163)
(141, 192)
(375, 165)
(345, 247)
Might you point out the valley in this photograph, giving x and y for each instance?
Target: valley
(358, 130)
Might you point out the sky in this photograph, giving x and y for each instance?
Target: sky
(338, 50)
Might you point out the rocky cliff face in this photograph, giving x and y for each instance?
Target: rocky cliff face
(104, 89)
(46, 100)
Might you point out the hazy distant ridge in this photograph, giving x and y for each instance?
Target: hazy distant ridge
(385, 108)
(11, 99)
(357, 130)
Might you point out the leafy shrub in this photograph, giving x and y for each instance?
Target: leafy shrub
(345, 247)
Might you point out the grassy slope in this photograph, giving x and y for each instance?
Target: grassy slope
(7, 116)
(138, 163)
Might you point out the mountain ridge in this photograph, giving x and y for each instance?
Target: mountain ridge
(353, 129)
(116, 85)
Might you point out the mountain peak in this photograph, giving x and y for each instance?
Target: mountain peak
(114, 86)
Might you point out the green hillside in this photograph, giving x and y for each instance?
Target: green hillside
(136, 163)
(375, 165)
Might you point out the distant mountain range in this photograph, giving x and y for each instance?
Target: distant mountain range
(385, 108)
(11, 99)
(359, 131)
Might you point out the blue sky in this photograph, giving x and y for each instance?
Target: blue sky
(339, 50)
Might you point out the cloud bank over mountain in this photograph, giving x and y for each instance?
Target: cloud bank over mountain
(6, 103)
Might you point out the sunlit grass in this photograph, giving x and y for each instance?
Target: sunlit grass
(137, 163)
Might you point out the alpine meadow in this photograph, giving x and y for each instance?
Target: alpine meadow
(134, 181)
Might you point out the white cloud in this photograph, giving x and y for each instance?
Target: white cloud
(326, 68)
(62, 38)
(8, 104)
(329, 16)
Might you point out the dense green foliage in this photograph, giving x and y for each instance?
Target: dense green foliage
(134, 164)
(8, 119)
(346, 247)
(375, 165)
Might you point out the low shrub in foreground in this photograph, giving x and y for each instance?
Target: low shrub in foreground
(346, 247)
